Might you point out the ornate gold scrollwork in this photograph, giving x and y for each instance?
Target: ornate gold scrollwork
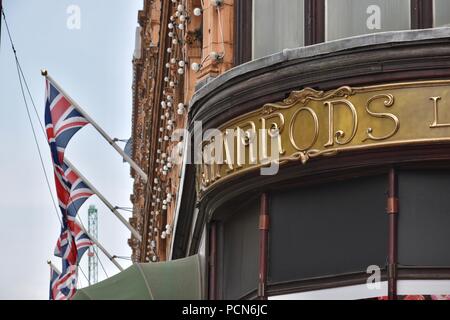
(304, 96)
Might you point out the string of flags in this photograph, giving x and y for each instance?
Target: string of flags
(63, 119)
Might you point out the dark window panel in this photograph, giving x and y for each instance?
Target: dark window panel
(240, 251)
(424, 218)
(325, 230)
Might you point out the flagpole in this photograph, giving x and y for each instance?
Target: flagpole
(102, 132)
(95, 241)
(105, 201)
(51, 264)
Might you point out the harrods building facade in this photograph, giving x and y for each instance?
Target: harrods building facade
(352, 99)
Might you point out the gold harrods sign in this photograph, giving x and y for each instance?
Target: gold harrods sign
(312, 123)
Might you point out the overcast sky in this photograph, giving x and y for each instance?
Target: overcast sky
(93, 64)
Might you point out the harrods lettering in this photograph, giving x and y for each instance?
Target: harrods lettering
(313, 123)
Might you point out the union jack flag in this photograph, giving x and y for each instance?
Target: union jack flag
(79, 191)
(54, 276)
(62, 121)
(71, 246)
(72, 243)
(71, 190)
(65, 285)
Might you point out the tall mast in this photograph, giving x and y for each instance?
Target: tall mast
(93, 252)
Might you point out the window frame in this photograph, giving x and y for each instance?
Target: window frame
(422, 17)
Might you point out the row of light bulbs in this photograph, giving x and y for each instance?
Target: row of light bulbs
(174, 68)
(177, 24)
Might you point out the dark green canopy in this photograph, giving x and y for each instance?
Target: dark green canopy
(171, 280)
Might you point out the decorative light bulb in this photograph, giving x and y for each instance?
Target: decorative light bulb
(197, 12)
(196, 67)
(214, 56)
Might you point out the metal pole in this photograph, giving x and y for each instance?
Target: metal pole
(392, 210)
(95, 241)
(106, 202)
(49, 262)
(263, 241)
(133, 164)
